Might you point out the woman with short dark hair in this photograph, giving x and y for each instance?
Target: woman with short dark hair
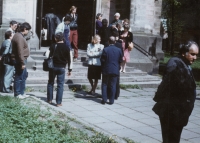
(98, 22)
(8, 70)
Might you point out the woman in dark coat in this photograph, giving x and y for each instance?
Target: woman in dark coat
(176, 94)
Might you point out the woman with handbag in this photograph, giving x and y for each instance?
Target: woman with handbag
(94, 52)
(60, 53)
(7, 74)
(127, 39)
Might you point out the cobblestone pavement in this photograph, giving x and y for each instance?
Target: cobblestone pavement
(131, 116)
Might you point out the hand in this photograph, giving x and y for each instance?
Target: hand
(69, 73)
(23, 66)
(0, 58)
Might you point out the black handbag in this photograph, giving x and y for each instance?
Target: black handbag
(6, 59)
(48, 63)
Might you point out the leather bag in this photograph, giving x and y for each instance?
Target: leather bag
(48, 63)
(130, 46)
(6, 59)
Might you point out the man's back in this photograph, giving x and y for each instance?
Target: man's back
(110, 60)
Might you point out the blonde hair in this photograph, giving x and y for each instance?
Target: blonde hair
(72, 8)
(95, 38)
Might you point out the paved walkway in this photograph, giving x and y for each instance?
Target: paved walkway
(131, 116)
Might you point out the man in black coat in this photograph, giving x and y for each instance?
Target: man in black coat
(110, 62)
(176, 94)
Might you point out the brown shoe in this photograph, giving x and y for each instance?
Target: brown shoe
(58, 105)
(50, 102)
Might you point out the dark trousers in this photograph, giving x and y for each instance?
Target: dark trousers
(20, 80)
(117, 88)
(108, 87)
(74, 41)
(60, 73)
(170, 133)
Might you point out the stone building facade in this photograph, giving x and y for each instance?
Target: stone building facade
(144, 18)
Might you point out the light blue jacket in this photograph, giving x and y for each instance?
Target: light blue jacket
(94, 53)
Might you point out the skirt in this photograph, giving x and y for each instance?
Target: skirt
(94, 72)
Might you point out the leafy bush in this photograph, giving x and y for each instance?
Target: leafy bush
(22, 121)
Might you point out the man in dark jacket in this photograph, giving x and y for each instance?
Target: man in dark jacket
(20, 53)
(176, 94)
(105, 32)
(110, 62)
(61, 56)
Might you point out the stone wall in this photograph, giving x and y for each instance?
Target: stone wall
(145, 16)
(20, 11)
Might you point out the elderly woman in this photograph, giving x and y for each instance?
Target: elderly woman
(94, 51)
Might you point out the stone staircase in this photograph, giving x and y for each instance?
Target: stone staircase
(38, 78)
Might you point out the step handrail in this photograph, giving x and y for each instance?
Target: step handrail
(143, 51)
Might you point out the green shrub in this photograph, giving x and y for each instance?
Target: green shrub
(22, 121)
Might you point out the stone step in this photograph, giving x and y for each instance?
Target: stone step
(79, 68)
(41, 58)
(84, 63)
(87, 86)
(83, 74)
(81, 79)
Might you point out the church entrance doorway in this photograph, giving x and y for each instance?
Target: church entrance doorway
(86, 10)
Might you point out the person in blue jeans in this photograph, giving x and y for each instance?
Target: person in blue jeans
(61, 56)
(20, 53)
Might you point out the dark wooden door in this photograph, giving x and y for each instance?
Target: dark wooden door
(39, 20)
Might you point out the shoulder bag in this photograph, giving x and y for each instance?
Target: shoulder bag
(48, 63)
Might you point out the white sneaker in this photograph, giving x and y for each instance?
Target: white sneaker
(25, 95)
(20, 96)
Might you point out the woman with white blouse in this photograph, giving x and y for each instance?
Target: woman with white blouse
(94, 52)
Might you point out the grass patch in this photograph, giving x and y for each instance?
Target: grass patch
(26, 122)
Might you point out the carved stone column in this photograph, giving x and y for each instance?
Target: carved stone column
(98, 6)
(132, 13)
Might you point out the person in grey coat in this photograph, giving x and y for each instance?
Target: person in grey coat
(6, 48)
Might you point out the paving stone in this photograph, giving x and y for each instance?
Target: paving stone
(158, 127)
(133, 124)
(95, 120)
(188, 134)
(152, 123)
(144, 139)
(191, 125)
(104, 113)
(150, 89)
(95, 107)
(152, 114)
(84, 114)
(125, 133)
(113, 106)
(195, 130)
(123, 111)
(147, 130)
(74, 108)
(110, 126)
(119, 119)
(138, 116)
(197, 122)
(143, 109)
(145, 93)
(157, 136)
(194, 140)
